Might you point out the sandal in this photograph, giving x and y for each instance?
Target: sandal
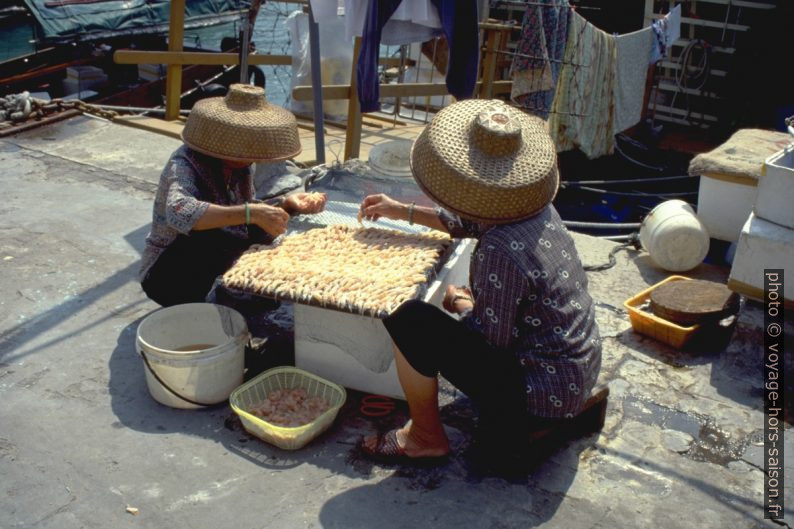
(388, 451)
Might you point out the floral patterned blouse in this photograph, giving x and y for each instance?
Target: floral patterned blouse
(530, 298)
(188, 184)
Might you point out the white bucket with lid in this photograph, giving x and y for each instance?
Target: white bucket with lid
(391, 158)
(674, 236)
(194, 354)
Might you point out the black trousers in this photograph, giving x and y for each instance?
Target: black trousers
(434, 342)
(186, 270)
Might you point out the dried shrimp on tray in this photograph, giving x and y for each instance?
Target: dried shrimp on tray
(368, 271)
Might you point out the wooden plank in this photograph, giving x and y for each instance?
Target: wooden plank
(670, 87)
(353, 134)
(685, 42)
(388, 119)
(675, 66)
(195, 57)
(172, 129)
(492, 25)
(213, 58)
(493, 40)
(173, 83)
(681, 112)
(35, 123)
(305, 93)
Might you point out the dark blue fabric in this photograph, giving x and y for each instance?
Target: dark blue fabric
(459, 23)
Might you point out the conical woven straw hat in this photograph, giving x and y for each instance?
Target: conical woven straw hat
(486, 161)
(242, 126)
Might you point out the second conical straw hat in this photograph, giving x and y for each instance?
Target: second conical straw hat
(486, 161)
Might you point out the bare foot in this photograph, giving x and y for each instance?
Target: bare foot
(415, 443)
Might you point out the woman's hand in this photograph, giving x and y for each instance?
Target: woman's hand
(271, 219)
(305, 203)
(374, 207)
(457, 299)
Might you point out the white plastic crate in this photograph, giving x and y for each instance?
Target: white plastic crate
(775, 201)
(724, 202)
(762, 244)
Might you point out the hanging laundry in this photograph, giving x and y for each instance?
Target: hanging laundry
(412, 21)
(667, 30)
(583, 111)
(459, 24)
(324, 9)
(632, 50)
(539, 54)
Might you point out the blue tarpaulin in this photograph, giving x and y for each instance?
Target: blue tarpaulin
(91, 19)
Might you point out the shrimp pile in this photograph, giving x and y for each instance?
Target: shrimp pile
(365, 270)
(313, 201)
(290, 407)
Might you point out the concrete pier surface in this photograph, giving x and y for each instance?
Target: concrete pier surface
(81, 440)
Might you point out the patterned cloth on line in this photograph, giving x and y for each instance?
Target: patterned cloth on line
(584, 105)
(667, 30)
(530, 297)
(633, 51)
(539, 55)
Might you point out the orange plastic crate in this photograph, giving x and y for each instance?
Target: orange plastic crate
(647, 323)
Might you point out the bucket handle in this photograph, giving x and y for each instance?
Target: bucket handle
(166, 386)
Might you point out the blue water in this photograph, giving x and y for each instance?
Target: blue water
(270, 36)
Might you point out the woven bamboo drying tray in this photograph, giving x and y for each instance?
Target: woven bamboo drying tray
(367, 271)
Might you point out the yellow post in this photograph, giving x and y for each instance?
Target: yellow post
(493, 44)
(173, 82)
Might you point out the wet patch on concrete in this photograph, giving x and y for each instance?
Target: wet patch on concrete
(709, 443)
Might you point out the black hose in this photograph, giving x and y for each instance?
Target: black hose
(634, 240)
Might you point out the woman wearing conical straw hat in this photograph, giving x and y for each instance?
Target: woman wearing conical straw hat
(524, 346)
(205, 214)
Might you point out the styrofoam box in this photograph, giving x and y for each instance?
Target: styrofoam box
(85, 73)
(151, 72)
(762, 245)
(724, 202)
(356, 351)
(775, 200)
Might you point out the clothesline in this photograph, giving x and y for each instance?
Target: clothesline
(538, 58)
(571, 114)
(515, 3)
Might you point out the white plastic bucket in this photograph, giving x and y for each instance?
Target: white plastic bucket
(203, 375)
(391, 158)
(674, 237)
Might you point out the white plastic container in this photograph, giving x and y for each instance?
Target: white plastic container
(775, 201)
(196, 349)
(762, 245)
(724, 201)
(356, 351)
(674, 236)
(391, 158)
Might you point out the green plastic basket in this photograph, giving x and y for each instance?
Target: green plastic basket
(255, 391)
